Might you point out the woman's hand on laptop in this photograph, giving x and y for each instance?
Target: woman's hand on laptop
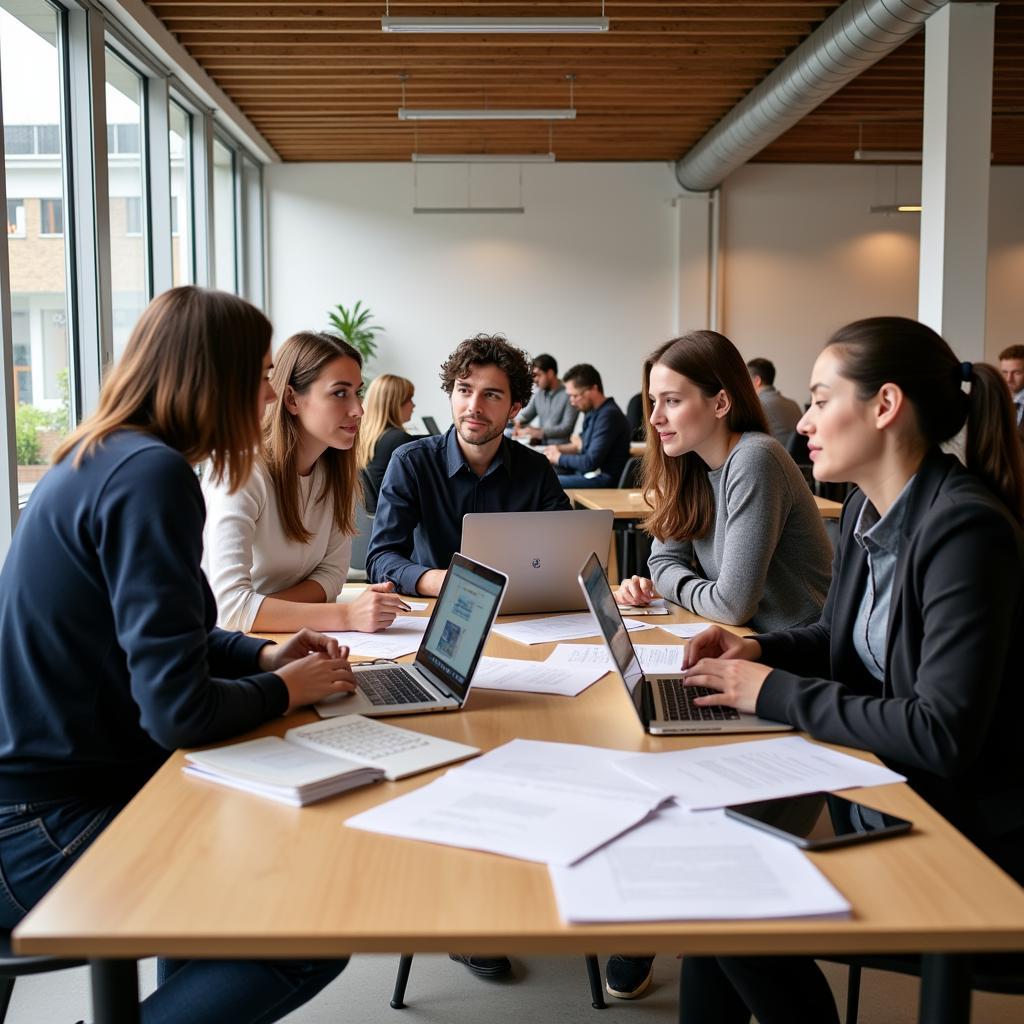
(636, 591)
(738, 682)
(715, 642)
(312, 666)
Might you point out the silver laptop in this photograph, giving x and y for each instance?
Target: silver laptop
(662, 702)
(439, 678)
(540, 553)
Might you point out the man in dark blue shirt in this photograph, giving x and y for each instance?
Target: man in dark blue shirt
(432, 483)
(597, 458)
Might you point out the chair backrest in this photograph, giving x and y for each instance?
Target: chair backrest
(361, 540)
(630, 475)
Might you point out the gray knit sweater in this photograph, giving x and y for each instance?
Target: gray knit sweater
(767, 560)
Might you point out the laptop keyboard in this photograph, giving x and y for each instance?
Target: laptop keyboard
(677, 702)
(363, 738)
(392, 686)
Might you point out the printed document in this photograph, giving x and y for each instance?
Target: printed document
(687, 631)
(652, 657)
(537, 805)
(558, 627)
(737, 773)
(681, 866)
(535, 676)
(402, 637)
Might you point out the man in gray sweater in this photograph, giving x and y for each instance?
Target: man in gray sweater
(783, 413)
(549, 406)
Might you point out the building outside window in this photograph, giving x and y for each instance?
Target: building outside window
(16, 218)
(51, 218)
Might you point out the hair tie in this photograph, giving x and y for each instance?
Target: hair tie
(966, 369)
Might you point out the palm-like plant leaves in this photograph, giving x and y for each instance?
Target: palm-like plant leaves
(356, 327)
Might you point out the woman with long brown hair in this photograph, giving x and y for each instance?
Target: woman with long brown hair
(915, 655)
(737, 536)
(389, 405)
(278, 547)
(109, 657)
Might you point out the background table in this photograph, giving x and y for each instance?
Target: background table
(627, 504)
(191, 868)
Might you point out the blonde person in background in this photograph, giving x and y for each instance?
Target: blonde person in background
(277, 550)
(389, 404)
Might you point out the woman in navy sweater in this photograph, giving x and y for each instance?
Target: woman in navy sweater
(109, 657)
(914, 657)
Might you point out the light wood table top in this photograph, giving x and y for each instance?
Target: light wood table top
(193, 868)
(627, 504)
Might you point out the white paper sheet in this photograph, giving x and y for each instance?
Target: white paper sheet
(402, 637)
(736, 773)
(652, 657)
(558, 627)
(686, 631)
(535, 676)
(552, 819)
(685, 866)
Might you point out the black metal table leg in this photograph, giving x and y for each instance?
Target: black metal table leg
(596, 988)
(398, 997)
(115, 991)
(945, 989)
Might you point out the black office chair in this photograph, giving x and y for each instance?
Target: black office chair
(1001, 974)
(635, 418)
(405, 964)
(633, 545)
(13, 967)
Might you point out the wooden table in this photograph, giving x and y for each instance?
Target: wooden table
(628, 505)
(192, 869)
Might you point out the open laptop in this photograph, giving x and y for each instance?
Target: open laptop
(439, 678)
(431, 425)
(540, 552)
(662, 702)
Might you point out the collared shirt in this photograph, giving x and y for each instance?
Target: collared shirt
(428, 488)
(605, 443)
(881, 538)
(1018, 405)
(553, 413)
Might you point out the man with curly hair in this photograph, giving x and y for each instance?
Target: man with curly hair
(431, 483)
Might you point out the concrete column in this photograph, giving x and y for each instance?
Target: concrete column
(698, 284)
(955, 174)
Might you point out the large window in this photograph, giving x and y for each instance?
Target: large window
(30, 83)
(129, 248)
(182, 233)
(225, 223)
(252, 230)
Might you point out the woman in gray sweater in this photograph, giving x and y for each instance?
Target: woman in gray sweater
(737, 536)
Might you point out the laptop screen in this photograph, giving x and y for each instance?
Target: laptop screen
(458, 628)
(602, 603)
(431, 425)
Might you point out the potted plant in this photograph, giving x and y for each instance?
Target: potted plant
(356, 327)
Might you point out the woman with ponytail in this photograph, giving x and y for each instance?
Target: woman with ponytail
(914, 656)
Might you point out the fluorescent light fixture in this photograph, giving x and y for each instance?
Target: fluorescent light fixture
(510, 25)
(468, 209)
(487, 114)
(483, 158)
(894, 208)
(888, 156)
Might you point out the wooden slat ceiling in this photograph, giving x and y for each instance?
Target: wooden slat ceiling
(322, 82)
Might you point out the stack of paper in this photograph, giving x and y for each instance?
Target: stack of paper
(738, 773)
(686, 631)
(683, 865)
(280, 770)
(402, 637)
(659, 658)
(535, 676)
(547, 802)
(558, 627)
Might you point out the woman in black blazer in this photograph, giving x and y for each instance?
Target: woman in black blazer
(913, 657)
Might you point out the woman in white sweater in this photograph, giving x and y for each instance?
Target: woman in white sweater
(277, 550)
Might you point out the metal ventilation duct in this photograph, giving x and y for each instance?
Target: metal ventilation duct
(853, 38)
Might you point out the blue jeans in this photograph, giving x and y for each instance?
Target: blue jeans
(571, 480)
(40, 841)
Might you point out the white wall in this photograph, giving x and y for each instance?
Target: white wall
(589, 271)
(803, 255)
(586, 273)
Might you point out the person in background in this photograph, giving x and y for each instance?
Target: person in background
(915, 657)
(103, 575)
(549, 406)
(597, 457)
(1011, 366)
(277, 549)
(737, 535)
(433, 482)
(783, 413)
(389, 404)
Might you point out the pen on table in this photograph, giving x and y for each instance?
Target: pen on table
(405, 607)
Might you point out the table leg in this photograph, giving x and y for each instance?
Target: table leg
(945, 989)
(115, 991)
